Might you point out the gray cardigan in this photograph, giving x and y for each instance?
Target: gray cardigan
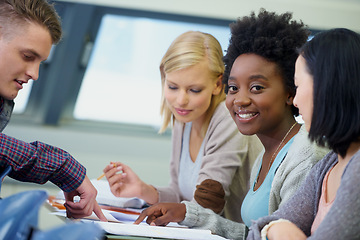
(343, 219)
(228, 157)
(302, 155)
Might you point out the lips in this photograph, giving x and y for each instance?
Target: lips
(246, 116)
(182, 112)
(20, 83)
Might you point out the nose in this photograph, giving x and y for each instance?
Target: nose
(182, 98)
(32, 71)
(241, 99)
(295, 101)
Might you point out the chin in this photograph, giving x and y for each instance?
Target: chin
(244, 131)
(10, 97)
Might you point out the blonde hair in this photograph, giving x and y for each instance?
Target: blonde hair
(189, 49)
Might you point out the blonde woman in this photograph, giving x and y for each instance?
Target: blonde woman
(211, 160)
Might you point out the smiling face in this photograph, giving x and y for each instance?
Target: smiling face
(257, 99)
(304, 91)
(21, 53)
(188, 92)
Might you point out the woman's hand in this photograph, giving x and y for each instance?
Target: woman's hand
(285, 231)
(124, 182)
(163, 213)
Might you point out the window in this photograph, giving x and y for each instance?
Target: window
(22, 98)
(122, 80)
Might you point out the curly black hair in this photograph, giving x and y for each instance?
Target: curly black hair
(272, 36)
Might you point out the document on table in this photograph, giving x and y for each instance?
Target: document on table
(122, 224)
(111, 216)
(145, 230)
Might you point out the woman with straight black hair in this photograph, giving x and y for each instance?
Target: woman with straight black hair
(327, 206)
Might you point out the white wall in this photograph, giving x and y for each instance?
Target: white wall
(317, 14)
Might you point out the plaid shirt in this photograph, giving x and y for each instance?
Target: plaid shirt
(38, 162)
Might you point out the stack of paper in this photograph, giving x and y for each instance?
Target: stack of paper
(122, 212)
(144, 230)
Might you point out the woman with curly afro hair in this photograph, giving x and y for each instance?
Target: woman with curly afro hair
(259, 79)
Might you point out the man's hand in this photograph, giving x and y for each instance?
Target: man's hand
(87, 204)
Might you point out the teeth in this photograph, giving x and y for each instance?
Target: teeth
(246, 115)
(19, 82)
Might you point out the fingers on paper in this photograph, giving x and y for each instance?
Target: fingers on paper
(154, 217)
(141, 217)
(99, 213)
(161, 220)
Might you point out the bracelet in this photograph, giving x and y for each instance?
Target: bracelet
(265, 229)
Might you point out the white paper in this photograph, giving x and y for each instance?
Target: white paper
(107, 214)
(145, 230)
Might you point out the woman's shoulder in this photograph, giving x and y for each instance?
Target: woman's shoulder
(221, 112)
(304, 148)
(303, 154)
(353, 167)
(221, 119)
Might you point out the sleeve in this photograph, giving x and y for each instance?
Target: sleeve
(204, 218)
(38, 162)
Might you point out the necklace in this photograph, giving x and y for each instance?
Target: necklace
(278, 148)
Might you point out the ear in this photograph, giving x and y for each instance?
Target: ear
(289, 100)
(218, 86)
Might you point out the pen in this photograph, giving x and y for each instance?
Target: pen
(100, 177)
(103, 175)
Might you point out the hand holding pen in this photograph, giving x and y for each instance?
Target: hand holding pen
(124, 182)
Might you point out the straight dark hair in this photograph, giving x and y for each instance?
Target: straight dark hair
(333, 59)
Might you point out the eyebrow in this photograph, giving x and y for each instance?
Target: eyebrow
(190, 86)
(252, 77)
(258, 76)
(37, 55)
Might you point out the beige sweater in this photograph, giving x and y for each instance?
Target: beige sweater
(228, 158)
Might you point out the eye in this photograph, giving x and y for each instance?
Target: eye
(256, 89)
(28, 57)
(232, 89)
(171, 87)
(195, 90)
